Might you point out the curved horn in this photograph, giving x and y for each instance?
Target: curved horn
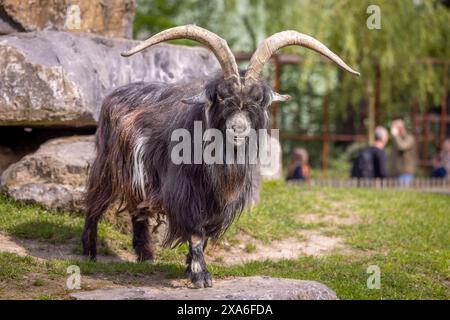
(287, 38)
(216, 44)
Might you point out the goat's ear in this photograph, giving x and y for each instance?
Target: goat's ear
(280, 97)
(199, 98)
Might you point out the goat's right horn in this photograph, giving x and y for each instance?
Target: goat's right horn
(216, 44)
(287, 38)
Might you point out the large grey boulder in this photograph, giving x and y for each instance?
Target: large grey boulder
(57, 78)
(54, 176)
(246, 288)
(112, 18)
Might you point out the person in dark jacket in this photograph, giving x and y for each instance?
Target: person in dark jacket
(371, 162)
(403, 154)
(441, 163)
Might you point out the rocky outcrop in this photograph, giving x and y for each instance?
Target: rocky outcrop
(111, 18)
(54, 176)
(247, 288)
(59, 78)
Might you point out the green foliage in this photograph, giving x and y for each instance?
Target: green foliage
(409, 32)
(242, 23)
(154, 15)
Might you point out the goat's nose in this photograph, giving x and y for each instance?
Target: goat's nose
(239, 124)
(239, 127)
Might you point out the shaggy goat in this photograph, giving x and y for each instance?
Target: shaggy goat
(134, 144)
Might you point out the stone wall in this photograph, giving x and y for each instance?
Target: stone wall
(58, 78)
(112, 18)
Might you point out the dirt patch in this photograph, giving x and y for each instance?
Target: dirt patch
(306, 242)
(329, 220)
(7, 244)
(46, 251)
(43, 286)
(310, 243)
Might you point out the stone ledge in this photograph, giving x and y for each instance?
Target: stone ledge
(107, 18)
(241, 288)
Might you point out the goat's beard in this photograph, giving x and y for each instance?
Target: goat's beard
(235, 140)
(230, 178)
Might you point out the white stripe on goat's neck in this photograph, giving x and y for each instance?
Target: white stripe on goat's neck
(207, 108)
(139, 174)
(196, 267)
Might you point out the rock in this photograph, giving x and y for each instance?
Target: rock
(245, 288)
(112, 18)
(60, 79)
(7, 157)
(54, 176)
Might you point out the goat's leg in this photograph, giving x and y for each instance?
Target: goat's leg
(197, 269)
(142, 238)
(98, 199)
(89, 237)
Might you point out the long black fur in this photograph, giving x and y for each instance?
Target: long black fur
(197, 199)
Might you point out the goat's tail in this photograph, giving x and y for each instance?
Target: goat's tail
(99, 193)
(100, 186)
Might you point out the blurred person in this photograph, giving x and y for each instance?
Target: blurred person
(404, 154)
(372, 161)
(441, 163)
(299, 167)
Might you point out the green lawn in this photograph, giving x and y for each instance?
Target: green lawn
(404, 233)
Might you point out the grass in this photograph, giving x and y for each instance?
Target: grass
(249, 248)
(33, 222)
(404, 233)
(277, 216)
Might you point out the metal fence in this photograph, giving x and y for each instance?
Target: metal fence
(420, 184)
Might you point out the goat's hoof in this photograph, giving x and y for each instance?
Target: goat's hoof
(208, 281)
(90, 257)
(146, 258)
(201, 280)
(144, 254)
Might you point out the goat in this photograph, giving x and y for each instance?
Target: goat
(133, 142)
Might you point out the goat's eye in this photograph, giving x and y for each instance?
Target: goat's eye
(253, 106)
(229, 102)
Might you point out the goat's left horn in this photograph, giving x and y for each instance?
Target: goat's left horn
(288, 38)
(216, 44)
